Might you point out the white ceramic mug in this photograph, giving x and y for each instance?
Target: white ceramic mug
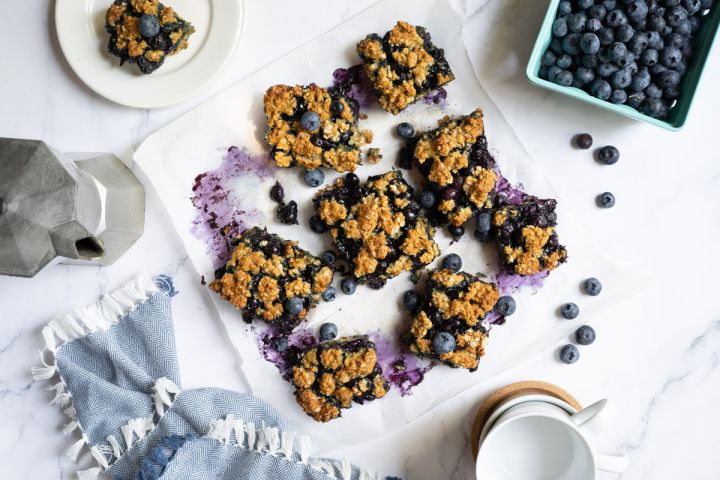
(538, 440)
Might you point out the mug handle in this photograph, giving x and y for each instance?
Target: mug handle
(588, 412)
(612, 463)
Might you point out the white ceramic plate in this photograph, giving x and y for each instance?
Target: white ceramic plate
(81, 32)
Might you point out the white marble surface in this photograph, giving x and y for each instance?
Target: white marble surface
(655, 358)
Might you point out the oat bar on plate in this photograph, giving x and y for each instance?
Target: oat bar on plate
(527, 238)
(145, 32)
(333, 375)
(272, 279)
(336, 141)
(456, 166)
(376, 227)
(455, 303)
(403, 66)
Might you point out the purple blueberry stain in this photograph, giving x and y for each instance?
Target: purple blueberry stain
(402, 370)
(437, 97)
(353, 83)
(223, 212)
(300, 339)
(509, 283)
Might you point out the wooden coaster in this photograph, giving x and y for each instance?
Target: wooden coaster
(513, 390)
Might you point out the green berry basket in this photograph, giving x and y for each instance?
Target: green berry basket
(678, 113)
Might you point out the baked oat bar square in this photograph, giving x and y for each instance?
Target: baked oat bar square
(336, 141)
(455, 303)
(527, 238)
(377, 227)
(333, 375)
(265, 275)
(456, 166)
(403, 65)
(145, 32)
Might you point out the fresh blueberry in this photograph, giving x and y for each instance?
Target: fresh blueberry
(310, 121)
(618, 97)
(280, 344)
(637, 10)
(670, 56)
(564, 7)
(583, 141)
(597, 11)
(653, 91)
(641, 80)
(452, 262)
(576, 22)
(505, 306)
(668, 78)
(606, 200)
(706, 4)
(569, 354)
(570, 310)
(627, 60)
(673, 40)
(456, 231)
(443, 342)
(589, 44)
(617, 51)
(608, 155)
(543, 72)
(606, 36)
(556, 46)
(337, 107)
(601, 89)
(621, 79)
(549, 58)
(329, 257)
(552, 72)
(564, 78)
(609, 4)
(616, 18)
(329, 294)
(294, 305)
(675, 16)
(317, 225)
(149, 25)
(670, 3)
(593, 25)
(406, 130)
(687, 51)
(585, 335)
(560, 27)
(671, 93)
(592, 286)
(314, 178)
(584, 75)
(590, 61)
(584, 4)
(606, 69)
(694, 23)
(411, 300)
(655, 41)
(328, 331)
(656, 23)
(624, 33)
(348, 286)
(428, 199)
(635, 99)
(684, 28)
(638, 43)
(681, 67)
(564, 61)
(571, 44)
(277, 192)
(649, 57)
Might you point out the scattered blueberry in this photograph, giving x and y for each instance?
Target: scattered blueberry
(585, 335)
(570, 310)
(428, 199)
(584, 141)
(348, 286)
(411, 300)
(294, 305)
(443, 342)
(452, 262)
(277, 192)
(505, 306)
(569, 354)
(608, 155)
(606, 200)
(337, 107)
(310, 121)
(328, 331)
(592, 286)
(317, 225)
(149, 25)
(280, 344)
(329, 294)
(329, 257)
(314, 178)
(456, 231)
(405, 130)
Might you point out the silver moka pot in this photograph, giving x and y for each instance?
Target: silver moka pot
(87, 208)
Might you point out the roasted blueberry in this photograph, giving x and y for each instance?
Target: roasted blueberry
(348, 286)
(329, 257)
(287, 213)
(592, 286)
(456, 231)
(280, 344)
(294, 305)
(443, 342)
(329, 294)
(149, 25)
(328, 331)
(314, 178)
(570, 310)
(452, 262)
(317, 225)
(505, 306)
(569, 354)
(428, 199)
(277, 192)
(337, 107)
(583, 141)
(310, 121)
(405, 130)
(585, 335)
(411, 300)
(608, 155)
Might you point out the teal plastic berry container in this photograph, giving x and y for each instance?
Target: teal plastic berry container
(678, 114)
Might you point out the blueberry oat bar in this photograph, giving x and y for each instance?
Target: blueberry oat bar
(313, 127)
(456, 166)
(333, 375)
(271, 279)
(145, 32)
(455, 304)
(403, 66)
(527, 238)
(376, 227)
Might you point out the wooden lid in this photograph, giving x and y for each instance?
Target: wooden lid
(529, 387)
